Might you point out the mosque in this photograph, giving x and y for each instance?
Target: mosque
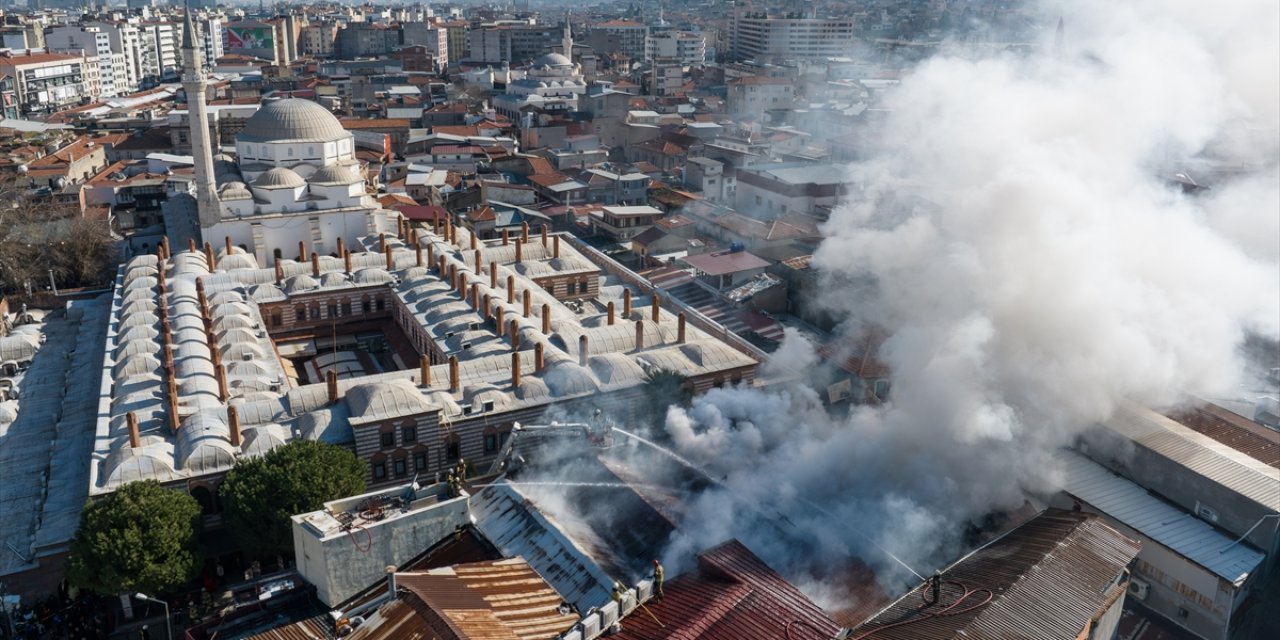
(296, 179)
(552, 84)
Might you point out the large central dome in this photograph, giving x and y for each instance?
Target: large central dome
(292, 119)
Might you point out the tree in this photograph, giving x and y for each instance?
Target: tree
(260, 494)
(140, 538)
(663, 388)
(39, 235)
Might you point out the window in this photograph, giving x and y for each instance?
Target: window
(382, 304)
(300, 312)
(333, 310)
(277, 319)
(401, 467)
(379, 470)
(452, 449)
(409, 434)
(420, 461)
(366, 306)
(346, 307)
(571, 288)
(490, 443)
(488, 405)
(388, 439)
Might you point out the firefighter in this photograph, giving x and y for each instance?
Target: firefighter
(618, 590)
(657, 579)
(461, 470)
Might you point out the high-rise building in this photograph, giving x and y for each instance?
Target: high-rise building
(619, 36)
(755, 34)
(95, 44)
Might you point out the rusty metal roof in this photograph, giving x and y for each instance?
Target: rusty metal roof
(1233, 430)
(733, 595)
(1047, 580)
(494, 600)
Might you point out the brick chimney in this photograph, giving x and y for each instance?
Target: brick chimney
(582, 350)
(515, 368)
(341, 247)
(511, 289)
(680, 328)
(555, 247)
(302, 251)
(135, 439)
(654, 304)
(233, 422)
(346, 261)
(626, 303)
(639, 335)
(514, 328)
(524, 232)
(174, 420)
(475, 296)
(462, 283)
(417, 252)
(455, 381)
(474, 243)
(431, 254)
(279, 271)
(331, 382)
(527, 299)
(538, 362)
(391, 262)
(519, 252)
(220, 374)
(424, 371)
(506, 237)
(208, 257)
(497, 320)
(479, 261)
(544, 236)
(382, 242)
(191, 243)
(493, 275)
(611, 313)
(228, 241)
(315, 265)
(546, 319)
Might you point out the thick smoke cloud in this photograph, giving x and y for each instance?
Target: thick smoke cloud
(1016, 236)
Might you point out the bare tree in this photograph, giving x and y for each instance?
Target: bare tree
(39, 236)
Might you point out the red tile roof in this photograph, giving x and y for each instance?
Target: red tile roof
(732, 595)
(421, 213)
(380, 123)
(858, 354)
(718, 264)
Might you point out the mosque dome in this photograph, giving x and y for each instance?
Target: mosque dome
(553, 60)
(292, 119)
(334, 174)
(234, 190)
(279, 178)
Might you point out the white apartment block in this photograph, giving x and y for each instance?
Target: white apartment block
(95, 45)
(126, 54)
(46, 82)
(756, 35)
(690, 49)
(212, 37)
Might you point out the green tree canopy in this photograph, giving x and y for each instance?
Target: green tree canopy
(140, 538)
(260, 494)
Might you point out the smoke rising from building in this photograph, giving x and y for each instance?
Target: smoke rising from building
(1020, 235)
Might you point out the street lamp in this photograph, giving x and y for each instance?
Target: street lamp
(168, 629)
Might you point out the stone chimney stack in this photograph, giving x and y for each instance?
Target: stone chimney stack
(455, 381)
(424, 371)
(391, 262)
(220, 374)
(680, 328)
(514, 329)
(417, 252)
(228, 241)
(555, 247)
(582, 350)
(519, 252)
(474, 243)
(506, 237)
(515, 368)
(524, 232)
(341, 247)
(493, 275)
(208, 257)
(135, 439)
(544, 236)
(331, 381)
(233, 422)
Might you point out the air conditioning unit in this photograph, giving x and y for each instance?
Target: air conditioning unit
(1139, 588)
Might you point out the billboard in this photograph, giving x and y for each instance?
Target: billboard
(250, 36)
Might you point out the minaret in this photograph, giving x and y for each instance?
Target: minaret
(193, 81)
(566, 44)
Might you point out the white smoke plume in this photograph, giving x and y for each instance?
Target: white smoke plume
(1017, 237)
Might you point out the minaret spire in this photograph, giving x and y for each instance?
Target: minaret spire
(193, 82)
(566, 44)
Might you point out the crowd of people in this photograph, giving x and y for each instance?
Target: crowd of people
(73, 616)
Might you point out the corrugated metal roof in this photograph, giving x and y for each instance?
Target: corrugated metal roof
(1233, 430)
(1165, 523)
(1198, 453)
(501, 599)
(733, 595)
(1047, 579)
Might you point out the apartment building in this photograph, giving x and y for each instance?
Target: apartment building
(93, 43)
(689, 49)
(47, 82)
(620, 36)
(755, 34)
